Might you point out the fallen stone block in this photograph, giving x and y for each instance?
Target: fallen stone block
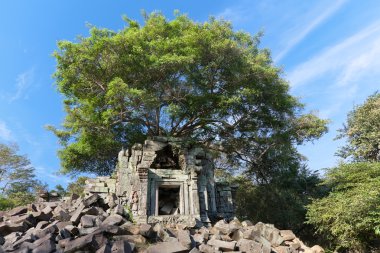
(282, 249)
(246, 223)
(24, 238)
(123, 247)
(47, 210)
(8, 227)
(113, 219)
(74, 231)
(237, 235)
(77, 214)
(223, 227)
(198, 238)
(91, 200)
(17, 211)
(224, 246)
(204, 232)
(12, 237)
(92, 210)
(146, 230)
(137, 239)
(112, 229)
(185, 239)
(41, 216)
(245, 245)
(27, 218)
(62, 224)
(167, 247)
(129, 228)
(90, 242)
(204, 248)
(287, 235)
(87, 221)
(317, 249)
(87, 231)
(50, 229)
(45, 244)
(62, 215)
(41, 224)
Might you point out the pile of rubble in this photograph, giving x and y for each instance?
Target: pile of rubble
(100, 224)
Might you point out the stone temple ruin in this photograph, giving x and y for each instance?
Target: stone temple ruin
(167, 180)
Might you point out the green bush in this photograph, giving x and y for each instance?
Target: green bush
(6, 203)
(350, 215)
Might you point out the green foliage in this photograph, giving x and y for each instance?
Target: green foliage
(362, 131)
(17, 180)
(174, 78)
(281, 201)
(350, 215)
(77, 187)
(6, 203)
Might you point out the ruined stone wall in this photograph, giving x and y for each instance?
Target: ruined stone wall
(100, 185)
(167, 176)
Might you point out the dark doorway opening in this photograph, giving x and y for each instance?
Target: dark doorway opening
(168, 200)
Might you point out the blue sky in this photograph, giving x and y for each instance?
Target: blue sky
(329, 51)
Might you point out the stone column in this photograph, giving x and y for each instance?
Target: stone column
(195, 210)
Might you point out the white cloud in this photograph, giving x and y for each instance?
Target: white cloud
(48, 176)
(23, 83)
(5, 133)
(357, 55)
(347, 72)
(236, 15)
(299, 34)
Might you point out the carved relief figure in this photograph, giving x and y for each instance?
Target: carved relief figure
(134, 203)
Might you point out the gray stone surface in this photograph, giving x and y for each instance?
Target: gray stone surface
(223, 245)
(185, 239)
(122, 247)
(113, 219)
(168, 247)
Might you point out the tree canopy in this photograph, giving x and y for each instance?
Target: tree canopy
(350, 215)
(178, 78)
(362, 131)
(17, 178)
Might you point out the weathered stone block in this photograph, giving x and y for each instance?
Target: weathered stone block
(8, 227)
(168, 247)
(317, 249)
(146, 230)
(208, 249)
(246, 223)
(90, 200)
(113, 219)
(17, 211)
(184, 238)
(122, 247)
(87, 221)
(224, 246)
(90, 242)
(137, 239)
(287, 235)
(77, 214)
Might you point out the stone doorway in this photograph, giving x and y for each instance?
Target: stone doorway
(169, 200)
